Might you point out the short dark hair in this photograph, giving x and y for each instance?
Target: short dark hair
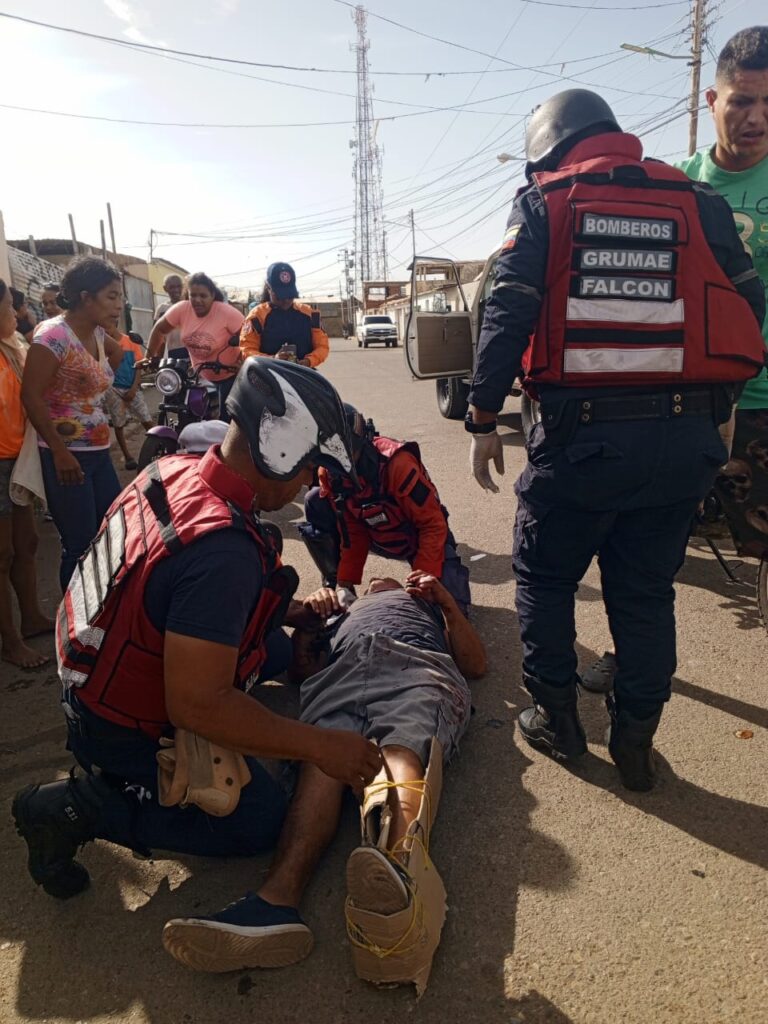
(17, 299)
(50, 286)
(206, 282)
(746, 51)
(3, 289)
(85, 274)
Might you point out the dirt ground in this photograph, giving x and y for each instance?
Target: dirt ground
(571, 900)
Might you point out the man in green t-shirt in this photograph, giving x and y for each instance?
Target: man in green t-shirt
(737, 167)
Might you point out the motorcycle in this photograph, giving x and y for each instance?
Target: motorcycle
(186, 397)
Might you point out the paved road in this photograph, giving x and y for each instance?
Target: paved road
(570, 899)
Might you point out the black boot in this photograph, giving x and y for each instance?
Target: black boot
(552, 724)
(631, 747)
(324, 551)
(54, 820)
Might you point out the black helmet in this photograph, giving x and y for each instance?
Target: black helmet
(558, 120)
(292, 417)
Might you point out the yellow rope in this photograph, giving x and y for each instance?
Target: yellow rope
(414, 785)
(363, 942)
(354, 932)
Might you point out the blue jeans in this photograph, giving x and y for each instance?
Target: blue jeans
(131, 816)
(627, 492)
(78, 509)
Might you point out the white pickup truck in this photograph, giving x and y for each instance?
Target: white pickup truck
(376, 327)
(442, 346)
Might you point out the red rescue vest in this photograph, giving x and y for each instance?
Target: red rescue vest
(391, 533)
(633, 292)
(107, 647)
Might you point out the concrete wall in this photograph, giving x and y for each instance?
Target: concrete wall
(29, 273)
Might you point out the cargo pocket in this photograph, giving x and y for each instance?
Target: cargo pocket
(527, 532)
(724, 306)
(716, 454)
(594, 451)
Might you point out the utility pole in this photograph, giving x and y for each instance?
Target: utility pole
(111, 228)
(413, 233)
(72, 232)
(699, 17)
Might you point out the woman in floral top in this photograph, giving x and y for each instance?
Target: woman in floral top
(69, 368)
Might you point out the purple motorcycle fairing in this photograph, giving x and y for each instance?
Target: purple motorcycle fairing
(198, 401)
(166, 432)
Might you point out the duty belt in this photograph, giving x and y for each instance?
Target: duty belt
(664, 406)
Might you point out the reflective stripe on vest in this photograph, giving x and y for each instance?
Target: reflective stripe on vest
(633, 293)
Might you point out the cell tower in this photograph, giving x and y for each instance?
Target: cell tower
(370, 254)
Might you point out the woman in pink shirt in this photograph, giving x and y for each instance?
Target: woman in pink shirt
(207, 323)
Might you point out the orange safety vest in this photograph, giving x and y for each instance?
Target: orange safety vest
(270, 342)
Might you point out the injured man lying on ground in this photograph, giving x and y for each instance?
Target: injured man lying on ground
(396, 664)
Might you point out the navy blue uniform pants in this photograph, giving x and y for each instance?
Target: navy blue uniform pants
(132, 817)
(321, 515)
(625, 492)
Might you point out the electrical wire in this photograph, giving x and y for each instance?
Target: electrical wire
(575, 7)
(165, 50)
(482, 53)
(237, 127)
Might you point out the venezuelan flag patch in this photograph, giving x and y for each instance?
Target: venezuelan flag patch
(510, 238)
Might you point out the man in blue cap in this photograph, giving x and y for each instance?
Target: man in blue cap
(281, 326)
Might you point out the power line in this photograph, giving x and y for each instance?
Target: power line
(482, 53)
(591, 7)
(456, 116)
(238, 127)
(166, 50)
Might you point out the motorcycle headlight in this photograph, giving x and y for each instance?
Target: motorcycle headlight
(168, 382)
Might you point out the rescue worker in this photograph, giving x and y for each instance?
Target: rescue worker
(280, 326)
(394, 511)
(737, 167)
(623, 290)
(164, 625)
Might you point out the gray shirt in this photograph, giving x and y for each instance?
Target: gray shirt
(396, 614)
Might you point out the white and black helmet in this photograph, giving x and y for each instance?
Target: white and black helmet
(292, 417)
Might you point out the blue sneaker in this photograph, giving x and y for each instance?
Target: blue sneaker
(247, 933)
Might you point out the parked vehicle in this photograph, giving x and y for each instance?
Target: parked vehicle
(186, 398)
(376, 327)
(443, 345)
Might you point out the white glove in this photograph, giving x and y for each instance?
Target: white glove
(484, 448)
(346, 597)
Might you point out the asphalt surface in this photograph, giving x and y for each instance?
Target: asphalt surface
(571, 900)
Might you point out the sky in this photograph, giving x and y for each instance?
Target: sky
(266, 193)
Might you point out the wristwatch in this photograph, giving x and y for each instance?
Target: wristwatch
(478, 428)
